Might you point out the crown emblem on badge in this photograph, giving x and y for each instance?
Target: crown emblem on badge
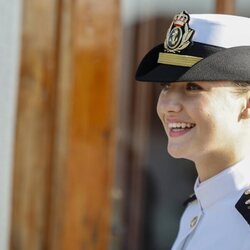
(181, 19)
(179, 34)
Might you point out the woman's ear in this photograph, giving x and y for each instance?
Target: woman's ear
(245, 113)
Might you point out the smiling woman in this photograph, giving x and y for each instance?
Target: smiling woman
(204, 107)
(194, 114)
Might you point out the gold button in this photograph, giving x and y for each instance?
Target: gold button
(194, 221)
(247, 192)
(247, 202)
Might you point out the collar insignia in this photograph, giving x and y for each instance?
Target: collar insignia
(243, 205)
(179, 34)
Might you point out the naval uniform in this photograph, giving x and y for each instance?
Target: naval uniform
(199, 47)
(219, 217)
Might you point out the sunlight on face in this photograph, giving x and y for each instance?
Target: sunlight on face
(200, 118)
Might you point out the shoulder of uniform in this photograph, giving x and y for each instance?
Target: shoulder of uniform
(190, 199)
(243, 205)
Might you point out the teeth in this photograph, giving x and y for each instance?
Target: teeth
(181, 125)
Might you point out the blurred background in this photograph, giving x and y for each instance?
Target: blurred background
(84, 164)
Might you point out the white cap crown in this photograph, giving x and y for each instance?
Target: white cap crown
(221, 30)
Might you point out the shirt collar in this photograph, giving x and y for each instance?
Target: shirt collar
(230, 180)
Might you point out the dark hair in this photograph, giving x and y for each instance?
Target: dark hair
(241, 87)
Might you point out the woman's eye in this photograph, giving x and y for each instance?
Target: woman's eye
(193, 87)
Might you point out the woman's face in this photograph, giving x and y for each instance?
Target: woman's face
(201, 119)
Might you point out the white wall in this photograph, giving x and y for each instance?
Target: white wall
(135, 9)
(10, 22)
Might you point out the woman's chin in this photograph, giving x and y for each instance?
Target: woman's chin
(177, 152)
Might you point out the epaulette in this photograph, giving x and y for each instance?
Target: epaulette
(191, 198)
(243, 205)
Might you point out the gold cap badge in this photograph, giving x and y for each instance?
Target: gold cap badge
(178, 37)
(179, 34)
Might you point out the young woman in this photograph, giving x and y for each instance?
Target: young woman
(204, 106)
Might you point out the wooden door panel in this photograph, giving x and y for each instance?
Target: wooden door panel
(65, 139)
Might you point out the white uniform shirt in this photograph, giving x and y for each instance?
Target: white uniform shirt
(212, 222)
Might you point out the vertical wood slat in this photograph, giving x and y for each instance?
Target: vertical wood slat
(95, 32)
(34, 129)
(58, 202)
(225, 6)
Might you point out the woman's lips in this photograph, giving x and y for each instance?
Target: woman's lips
(178, 132)
(177, 129)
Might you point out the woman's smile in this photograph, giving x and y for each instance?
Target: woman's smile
(176, 129)
(194, 115)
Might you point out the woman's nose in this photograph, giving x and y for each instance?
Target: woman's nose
(169, 103)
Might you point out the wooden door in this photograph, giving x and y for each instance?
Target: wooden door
(65, 134)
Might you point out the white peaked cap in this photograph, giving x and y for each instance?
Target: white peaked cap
(200, 47)
(221, 30)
